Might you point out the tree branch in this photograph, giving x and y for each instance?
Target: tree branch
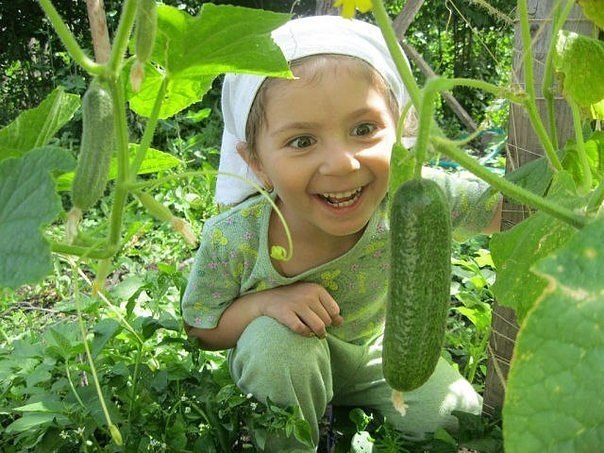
(401, 24)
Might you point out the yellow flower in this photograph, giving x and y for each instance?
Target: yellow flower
(348, 7)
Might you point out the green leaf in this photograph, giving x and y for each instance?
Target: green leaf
(535, 175)
(35, 127)
(180, 93)
(593, 10)
(516, 250)
(193, 51)
(571, 163)
(597, 110)
(62, 344)
(580, 59)
(220, 39)
(30, 420)
(28, 200)
(554, 394)
(41, 406)
(155, 161)
(104, 330)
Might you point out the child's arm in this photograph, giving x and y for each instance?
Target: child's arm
(306, 308)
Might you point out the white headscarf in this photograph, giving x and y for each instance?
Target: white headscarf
(298, 38)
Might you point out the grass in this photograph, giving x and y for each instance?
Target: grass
(161, 390)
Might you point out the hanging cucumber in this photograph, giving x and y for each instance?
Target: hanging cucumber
(420, 278)
(98, 139)
(96, 147)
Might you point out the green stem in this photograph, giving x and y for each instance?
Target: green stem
(508, 188)
(123, 162)
(134, 381)
(71, 384)
(134, 187)
(425, 127)
(529, 82)
(69, 40)
(596, 199)
(120, 43)
(83, 252)
(383, 21)
(585, 181)
(149, 129)
(548, 76)
(83, 332)
(431, 89)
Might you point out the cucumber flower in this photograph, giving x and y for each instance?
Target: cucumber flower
(349, 6)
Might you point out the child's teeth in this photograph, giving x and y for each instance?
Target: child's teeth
(342, 199)
(341, 194)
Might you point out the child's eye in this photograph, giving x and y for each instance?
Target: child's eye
(364, 129)
(304, 141)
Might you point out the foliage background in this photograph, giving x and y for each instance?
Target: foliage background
(169, 395)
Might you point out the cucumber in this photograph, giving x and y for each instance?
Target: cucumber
(419, 287)
(96, 147)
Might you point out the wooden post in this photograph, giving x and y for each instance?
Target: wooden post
(98, 30)
(524, 146)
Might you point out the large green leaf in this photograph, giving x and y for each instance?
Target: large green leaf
(593, 10)
(28, 200)
(516, 250)
(192, 51)
(554, 392)
(155, 161)
(581, 59)
(35, 127)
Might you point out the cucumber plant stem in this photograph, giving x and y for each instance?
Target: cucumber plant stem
(585, 179)
(383, 21)
(69, 40)
(188, 174)
(121, 192)
(529, 82)
(507, 187)
(122, 35)
(559, 18)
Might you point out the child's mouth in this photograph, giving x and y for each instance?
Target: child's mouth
(342, 199)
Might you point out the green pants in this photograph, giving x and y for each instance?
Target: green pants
(272, 361)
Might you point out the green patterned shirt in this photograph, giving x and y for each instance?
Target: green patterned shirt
(233, 260)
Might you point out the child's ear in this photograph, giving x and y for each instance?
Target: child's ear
(252, 161)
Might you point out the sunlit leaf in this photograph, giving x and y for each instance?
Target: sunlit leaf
(554, 395)
(593, 10)
(35, 127)
(155, 160)
(192, 51)
(580, 60)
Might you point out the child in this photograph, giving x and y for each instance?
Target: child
(308, 331)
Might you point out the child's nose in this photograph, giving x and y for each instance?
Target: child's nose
(340, 160)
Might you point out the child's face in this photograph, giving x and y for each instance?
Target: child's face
(326, 148)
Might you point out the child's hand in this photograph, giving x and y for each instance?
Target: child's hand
(306, 308)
